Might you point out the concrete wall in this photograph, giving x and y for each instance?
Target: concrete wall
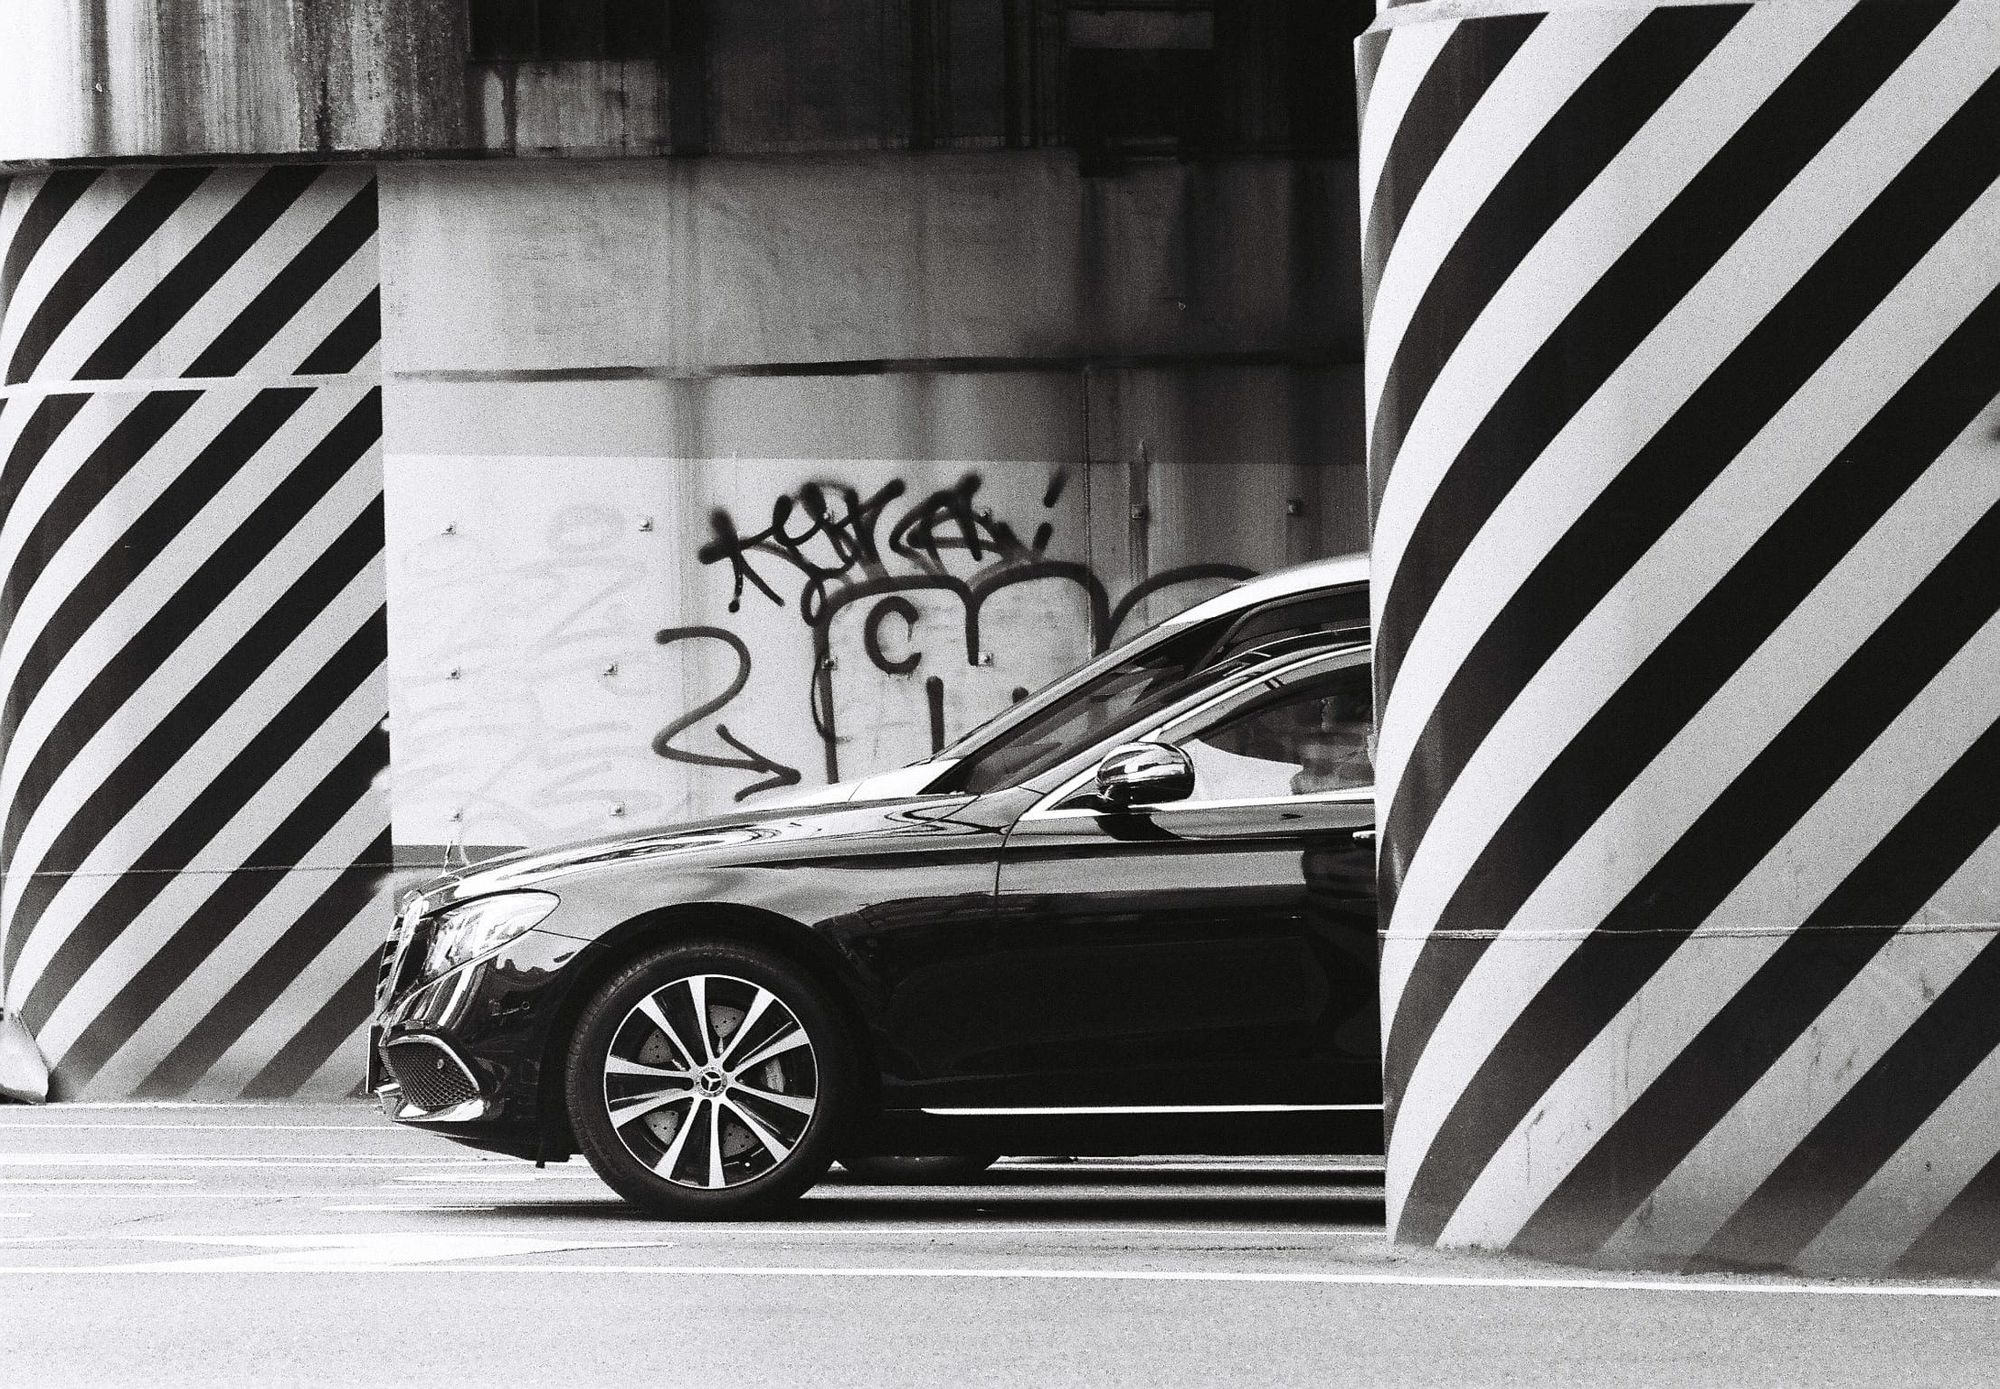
(84, 80)
(618, 353)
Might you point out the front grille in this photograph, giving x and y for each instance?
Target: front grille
(430, 1078)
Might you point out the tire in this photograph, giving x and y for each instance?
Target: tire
(919, 1171)
(648, 1102)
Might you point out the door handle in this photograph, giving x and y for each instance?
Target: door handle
(1365, 836)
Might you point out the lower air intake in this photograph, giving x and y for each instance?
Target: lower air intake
(430, 1077)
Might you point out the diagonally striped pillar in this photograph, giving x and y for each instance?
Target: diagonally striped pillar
(1683, 346)
(190, 574)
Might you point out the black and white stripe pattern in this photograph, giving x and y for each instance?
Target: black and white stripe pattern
(1684, 326)
(190, 537)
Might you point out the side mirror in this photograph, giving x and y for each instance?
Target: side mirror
(1134, 774)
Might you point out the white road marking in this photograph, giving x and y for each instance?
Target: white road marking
(343, 1210)
(348, 1259)
(72, 1106)
(455, 1181)
(199, 1194)
(224, 1160)
(336, 1252)
(221, 1128)
(97, 1181)
(1085, 1169)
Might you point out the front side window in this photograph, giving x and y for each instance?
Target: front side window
(1306, 739)
(1149, 675)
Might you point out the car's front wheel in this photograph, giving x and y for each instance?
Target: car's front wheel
(709, 1081)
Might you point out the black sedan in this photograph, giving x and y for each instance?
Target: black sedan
(1147, 925)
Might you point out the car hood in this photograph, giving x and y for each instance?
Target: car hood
(897, 785)
(843, 808)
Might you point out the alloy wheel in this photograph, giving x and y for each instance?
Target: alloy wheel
(710, 1081)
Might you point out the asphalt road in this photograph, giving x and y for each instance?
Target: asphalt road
(290, 1245)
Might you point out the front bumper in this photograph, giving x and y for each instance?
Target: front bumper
(461, 1054)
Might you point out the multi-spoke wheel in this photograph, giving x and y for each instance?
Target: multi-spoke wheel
(709, 1081)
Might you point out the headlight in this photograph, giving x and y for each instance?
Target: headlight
(472, 928)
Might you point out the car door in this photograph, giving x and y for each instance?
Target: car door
(1211, 954)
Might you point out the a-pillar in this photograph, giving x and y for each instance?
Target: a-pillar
(1682, 347)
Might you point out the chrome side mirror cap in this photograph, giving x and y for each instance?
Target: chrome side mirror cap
(1135, 774)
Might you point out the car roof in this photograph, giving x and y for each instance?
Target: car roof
(1338, 571)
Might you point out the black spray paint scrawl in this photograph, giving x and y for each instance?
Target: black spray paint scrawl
(833, 537)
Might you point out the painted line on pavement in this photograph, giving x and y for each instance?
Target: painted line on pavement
(1084, 1275)
(226, 1160)
(167, 1106)
(336, 1250)
(16, 1193)
(247, 1106)
(221, 1128)
(97, 1181)
(347, 1210)
(461, 1181)
(1095, 1168)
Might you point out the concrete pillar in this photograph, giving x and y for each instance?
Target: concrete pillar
(191, 539)
(1682, 348)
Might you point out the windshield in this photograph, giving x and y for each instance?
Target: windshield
(1148, 678)
(1082, 677)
